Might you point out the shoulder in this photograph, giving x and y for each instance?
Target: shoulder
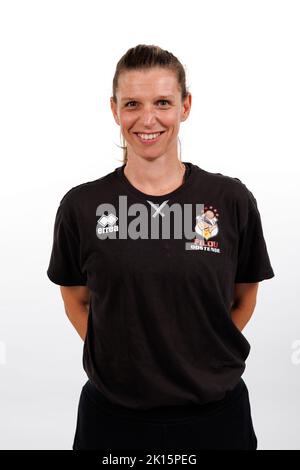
(230, 185)
(84, 192)
(234, 193)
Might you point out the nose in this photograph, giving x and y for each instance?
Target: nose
(148, 117)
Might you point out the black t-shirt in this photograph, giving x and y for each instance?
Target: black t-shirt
(161, 271)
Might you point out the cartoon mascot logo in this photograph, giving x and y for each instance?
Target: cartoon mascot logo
(207, 223)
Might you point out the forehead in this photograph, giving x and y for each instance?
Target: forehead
(155, 81)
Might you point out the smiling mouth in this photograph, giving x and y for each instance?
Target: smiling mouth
(148, 140)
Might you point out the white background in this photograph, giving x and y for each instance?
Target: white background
(57, 64)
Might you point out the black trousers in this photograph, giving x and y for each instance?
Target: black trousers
(222, 425)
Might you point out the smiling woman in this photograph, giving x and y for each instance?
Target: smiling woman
(169, 257)
(150, 96)
(149, 104)
(145, 114)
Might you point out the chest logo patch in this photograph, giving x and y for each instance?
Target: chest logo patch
(206, 228)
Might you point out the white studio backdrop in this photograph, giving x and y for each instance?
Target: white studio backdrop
(57, 131)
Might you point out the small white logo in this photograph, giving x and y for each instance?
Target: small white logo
(109, 220)
(158, 208)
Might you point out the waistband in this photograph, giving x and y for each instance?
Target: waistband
(164, 412)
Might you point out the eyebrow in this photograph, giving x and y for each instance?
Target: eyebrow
(158, 97)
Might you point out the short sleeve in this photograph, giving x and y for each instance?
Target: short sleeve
(64, 266)
(253, 264)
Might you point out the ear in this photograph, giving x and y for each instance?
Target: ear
(113, 107)
(186, 107)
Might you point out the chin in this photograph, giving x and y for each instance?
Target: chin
(150, 157)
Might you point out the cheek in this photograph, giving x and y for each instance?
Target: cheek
(171, 118)
(127, 121)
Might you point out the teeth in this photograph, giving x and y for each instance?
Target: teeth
(149, 136)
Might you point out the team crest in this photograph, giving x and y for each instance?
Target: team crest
(206, 227)
(207, 223)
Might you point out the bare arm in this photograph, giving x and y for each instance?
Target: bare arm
(76, 302)
(243, 304)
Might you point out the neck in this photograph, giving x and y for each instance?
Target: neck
(157, 177)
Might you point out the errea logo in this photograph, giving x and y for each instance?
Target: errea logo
(106, 224)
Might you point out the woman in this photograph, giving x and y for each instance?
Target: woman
(159, 263)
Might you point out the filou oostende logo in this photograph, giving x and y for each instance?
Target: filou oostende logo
(198, 223)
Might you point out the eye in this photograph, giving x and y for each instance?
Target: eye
(166, 101)
(159, 101)
(129, 103)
